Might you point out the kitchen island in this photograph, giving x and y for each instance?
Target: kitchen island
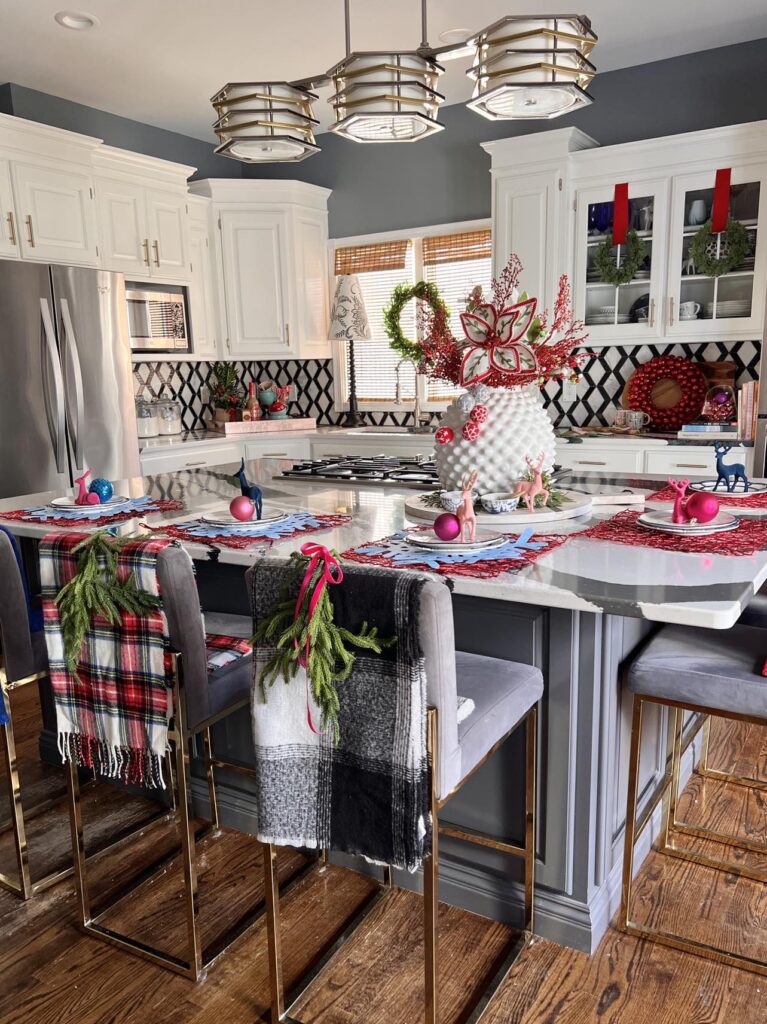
(576, 612)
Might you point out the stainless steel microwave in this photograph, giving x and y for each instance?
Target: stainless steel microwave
(157, 319)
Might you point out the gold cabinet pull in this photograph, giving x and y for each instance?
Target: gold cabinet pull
(145, 247)
(671, 310)
(651, 319)
(156, 247)
(31, 238)
(589, 462)
(287, 334)
(11, 228)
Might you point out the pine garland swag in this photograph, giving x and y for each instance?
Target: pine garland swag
(424, 291)
(733, 249)
(330, 660)
(96, 589)
(633, 256)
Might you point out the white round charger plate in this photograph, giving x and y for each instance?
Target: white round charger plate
(228, 520)
(662, 521)
(707, 486)
(578, 505)
(70, 503)
(424, 538)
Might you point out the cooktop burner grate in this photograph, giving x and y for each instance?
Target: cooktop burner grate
(381, 470)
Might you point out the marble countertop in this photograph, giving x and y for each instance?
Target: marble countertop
(581, 575)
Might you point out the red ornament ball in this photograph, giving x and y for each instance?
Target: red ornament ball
(242, 508)
(444, 435)
(447, 526)
(479, 414)
(470, 431)
(702, 507)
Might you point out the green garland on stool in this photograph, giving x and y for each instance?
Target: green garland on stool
(633, 256)
(424, 291)
(733, 249)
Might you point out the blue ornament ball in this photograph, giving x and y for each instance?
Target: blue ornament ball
(103, 488)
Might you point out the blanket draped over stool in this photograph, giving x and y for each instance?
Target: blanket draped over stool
(369, 794)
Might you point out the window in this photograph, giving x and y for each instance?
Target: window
(454, 260)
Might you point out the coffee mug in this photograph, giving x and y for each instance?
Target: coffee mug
(631, 419)
(689, 310)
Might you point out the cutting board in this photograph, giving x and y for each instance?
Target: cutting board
(666, 393)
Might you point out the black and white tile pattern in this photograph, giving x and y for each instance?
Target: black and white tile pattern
(604, 377)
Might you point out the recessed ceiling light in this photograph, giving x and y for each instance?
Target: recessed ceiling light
(76, 20)
(454, 37)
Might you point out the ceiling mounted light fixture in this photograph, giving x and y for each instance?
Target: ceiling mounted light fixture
(525, 67)
(265, 122)
(78, 21)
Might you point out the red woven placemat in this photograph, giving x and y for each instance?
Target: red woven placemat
(750, 537)
(24, 515)
(747, 501)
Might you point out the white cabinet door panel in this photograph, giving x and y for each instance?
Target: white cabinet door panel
(312, 286)
(255, 272)
(201, 291)
(692, 460)
(166, 220)
(57, 214)
(124, 238)
(600, 460)
(9, 232)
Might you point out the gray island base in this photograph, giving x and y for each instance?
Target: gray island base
(577, 613)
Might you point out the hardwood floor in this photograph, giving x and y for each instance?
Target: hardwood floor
(52, 974)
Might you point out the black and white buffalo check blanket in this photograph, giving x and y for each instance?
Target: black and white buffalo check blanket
(369, 794)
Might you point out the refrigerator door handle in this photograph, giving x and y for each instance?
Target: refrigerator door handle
(52, 367)
(74, 386)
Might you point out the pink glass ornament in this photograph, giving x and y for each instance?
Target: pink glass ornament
(479, 414)
(701, 507)
(242, 508)
(444, 435)
(470, 431)
(447, 526)
(92, 499)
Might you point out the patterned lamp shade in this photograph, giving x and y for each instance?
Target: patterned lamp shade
(265, 122)
(349, 318)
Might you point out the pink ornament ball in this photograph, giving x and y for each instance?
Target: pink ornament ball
(470, 431)
(479, 414)
(93, 499)
(702, 507)
(447, 526)
(242, 508)
(444, 435)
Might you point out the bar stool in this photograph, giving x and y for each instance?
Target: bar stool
(505, 696)
(200, 699)
(712, 673)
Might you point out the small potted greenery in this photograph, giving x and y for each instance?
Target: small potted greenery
(226, 392)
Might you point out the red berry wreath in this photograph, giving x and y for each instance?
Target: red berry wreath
(688, 377)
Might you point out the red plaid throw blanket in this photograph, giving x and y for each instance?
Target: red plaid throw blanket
(114, 717)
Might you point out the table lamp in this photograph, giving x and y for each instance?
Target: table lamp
(349, 320)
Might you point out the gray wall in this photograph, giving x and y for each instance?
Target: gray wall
(445, 178)
(117, 131)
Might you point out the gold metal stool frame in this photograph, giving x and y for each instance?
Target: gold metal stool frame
(279, 1012)
(671, 826)
(197, 959)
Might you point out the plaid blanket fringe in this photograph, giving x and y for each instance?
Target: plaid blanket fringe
(113, 716)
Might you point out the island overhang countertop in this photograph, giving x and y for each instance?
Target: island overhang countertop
(589, 575)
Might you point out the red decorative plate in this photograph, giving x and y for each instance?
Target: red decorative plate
(670, 390)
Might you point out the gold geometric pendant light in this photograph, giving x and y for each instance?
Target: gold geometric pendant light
(261, 122)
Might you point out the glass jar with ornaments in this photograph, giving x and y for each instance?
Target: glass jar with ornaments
(509, 350)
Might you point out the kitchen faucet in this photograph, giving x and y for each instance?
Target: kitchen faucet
(417, 427)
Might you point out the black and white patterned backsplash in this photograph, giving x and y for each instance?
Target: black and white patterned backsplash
(604, 377)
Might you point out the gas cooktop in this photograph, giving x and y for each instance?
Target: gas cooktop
(380, 470)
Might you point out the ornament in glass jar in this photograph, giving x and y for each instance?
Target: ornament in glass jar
(719, 405)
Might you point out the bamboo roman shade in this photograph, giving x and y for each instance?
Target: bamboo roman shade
(467, 245)
(362, 259)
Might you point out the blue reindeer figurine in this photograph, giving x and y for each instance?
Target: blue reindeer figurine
(250, 490)
(730, 474)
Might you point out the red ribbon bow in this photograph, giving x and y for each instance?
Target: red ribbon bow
(316, 553)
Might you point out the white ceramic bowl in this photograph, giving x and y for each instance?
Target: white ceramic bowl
(499, 501)
(451, 500)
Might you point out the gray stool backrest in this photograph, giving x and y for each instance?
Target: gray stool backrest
(15, 638)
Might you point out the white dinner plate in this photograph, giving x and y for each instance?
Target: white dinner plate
(707, 486)
(427, 539)
(228, 520)
(70, 503)
(662, 521)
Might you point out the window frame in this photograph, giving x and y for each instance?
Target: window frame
(416, 236)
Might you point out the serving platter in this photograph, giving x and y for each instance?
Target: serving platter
(577, 504)
(662, 521)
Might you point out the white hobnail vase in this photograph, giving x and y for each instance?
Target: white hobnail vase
(517, 426)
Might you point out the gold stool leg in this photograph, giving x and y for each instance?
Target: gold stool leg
(531, 736)
(669, 822)
(631, 811)
(17, 811)
(78, 843)
(431, 881)
(207, 749)
(274, 944)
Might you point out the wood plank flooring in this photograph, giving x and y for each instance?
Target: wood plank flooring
(53, 974)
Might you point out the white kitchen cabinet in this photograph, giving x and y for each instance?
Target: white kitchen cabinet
(604, 458)
(9, 235)
(167, 227)
(692, 460)
(348, 443)
(202, 283)
(174, 460)
(124, 240)
(278, 446)
(272, 244)
(56, 218)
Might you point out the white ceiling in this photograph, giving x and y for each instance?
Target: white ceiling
(159, 61)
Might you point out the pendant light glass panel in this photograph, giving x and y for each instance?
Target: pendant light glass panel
(265, 122)
(386, 97)
(532, 68)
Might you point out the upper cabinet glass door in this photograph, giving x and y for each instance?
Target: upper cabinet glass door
(619, 311)
(731, 303)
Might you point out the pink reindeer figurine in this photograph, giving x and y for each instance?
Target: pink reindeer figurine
(680, 514)
(465, 510)
(84, 496)
(528, 490)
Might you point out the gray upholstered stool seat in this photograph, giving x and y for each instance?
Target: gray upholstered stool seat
(232, 682)
(756, 612)
(503, 692)
(708, 668)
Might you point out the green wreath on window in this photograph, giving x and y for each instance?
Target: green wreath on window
(733, 249)
(424, 291)
(633, 256)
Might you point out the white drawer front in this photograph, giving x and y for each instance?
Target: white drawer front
(600, 460)
(279, 447)
(176, 461)
(692, 460)
(340, 446)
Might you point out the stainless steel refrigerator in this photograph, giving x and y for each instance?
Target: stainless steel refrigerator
(66, 389)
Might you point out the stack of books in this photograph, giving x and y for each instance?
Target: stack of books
(748, 408)
(709, 431)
